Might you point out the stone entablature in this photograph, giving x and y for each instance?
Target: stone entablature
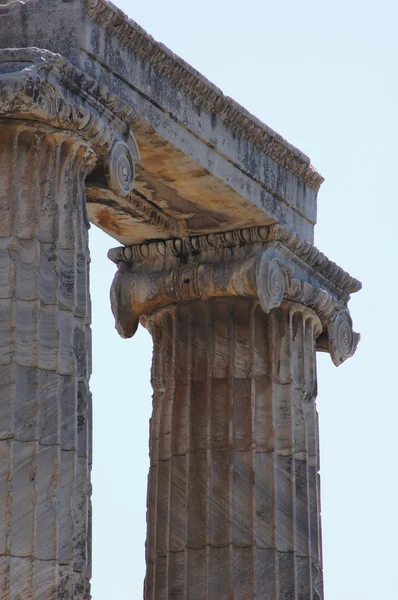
(205, 94)
(205, 161)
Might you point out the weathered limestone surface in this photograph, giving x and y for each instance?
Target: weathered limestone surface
(233, 489)
(51, 138)
(206, 163)
(45, 403)
(216, 212)
(233, 499)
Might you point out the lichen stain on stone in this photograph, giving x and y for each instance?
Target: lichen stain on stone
(105, 220)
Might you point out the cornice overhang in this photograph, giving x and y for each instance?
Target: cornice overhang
(206, 163)
(203, 92)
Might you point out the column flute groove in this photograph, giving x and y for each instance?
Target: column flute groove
(238, 556)
(44, 549)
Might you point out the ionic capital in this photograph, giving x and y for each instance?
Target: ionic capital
(38, 85)
(267, 263)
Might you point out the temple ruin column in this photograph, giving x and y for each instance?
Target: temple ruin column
(233, 488)
(45, 446)
(233, 498)
(51, 139)
(215, 213)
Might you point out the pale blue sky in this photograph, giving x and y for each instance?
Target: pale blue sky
(322, 74)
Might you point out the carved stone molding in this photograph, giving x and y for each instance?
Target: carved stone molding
(249, 237)
(272, 281)
(315, 258)
(203, 92)
(42, 86)
(263, 263)
(343, 341)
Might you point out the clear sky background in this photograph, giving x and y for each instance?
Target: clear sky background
(324, 75)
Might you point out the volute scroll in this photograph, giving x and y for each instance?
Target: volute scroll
(272, 280)
(343, 340)
(249, 263)
(38, 85)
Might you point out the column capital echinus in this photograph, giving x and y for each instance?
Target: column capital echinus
(43, 87)
(270, 263)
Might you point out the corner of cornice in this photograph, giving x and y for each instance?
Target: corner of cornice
(203, 92)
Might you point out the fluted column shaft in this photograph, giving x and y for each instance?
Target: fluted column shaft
(233, 497)
(45, 351)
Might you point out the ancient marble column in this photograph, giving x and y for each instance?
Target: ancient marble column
(237, 304)
(51, 138)
(45, 449)
(233, 495)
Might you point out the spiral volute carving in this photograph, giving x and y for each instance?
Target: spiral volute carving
(272, 282)
(343, 340)
(119, 169)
